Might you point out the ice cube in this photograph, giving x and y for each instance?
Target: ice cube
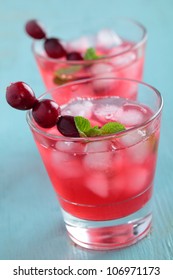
(118, 49)
(117, 185)
(118, 161)
(105, 109)
(78, 108)
(70, 147)
(98, 161)
(140, 152)
(57, 157)
(122, 59)
(98, 184)
(131, 115)
(136, 180)
(107, 38)
(115, 144)
(105, 113)
(70, 170)
(132, 137)
(80, 44)
(97, 146)
(102, 70)
(65, 165)
(137, 144)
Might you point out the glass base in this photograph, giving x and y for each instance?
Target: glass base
(111, 234)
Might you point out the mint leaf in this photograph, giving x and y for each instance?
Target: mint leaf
(94, 131)
(91, 54)
(82, 125)
(66, 74)
(60, 81)
(68, 70)
(86, 130)
(112, 127)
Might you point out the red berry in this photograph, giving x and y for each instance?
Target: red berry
(20, 96)
(46, 112)
(74, 56)
(53, 48)
(35, 30)
(66, 125)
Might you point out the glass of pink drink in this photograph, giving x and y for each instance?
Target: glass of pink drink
(121, 52)
(104, 184)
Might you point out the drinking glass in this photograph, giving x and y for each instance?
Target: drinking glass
(120, 42)
(104, 184)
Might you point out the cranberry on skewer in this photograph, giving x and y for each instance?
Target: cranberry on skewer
(20, 96)
(46, 113)
(35, 30)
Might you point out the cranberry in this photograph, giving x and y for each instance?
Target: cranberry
(74, 56)
(20, 96)
(34, 29)
(46, 112)
(53, 48)
(66, 125)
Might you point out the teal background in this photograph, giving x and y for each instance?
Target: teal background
(31, 225)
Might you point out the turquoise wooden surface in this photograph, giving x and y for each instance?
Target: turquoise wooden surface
(31, 225)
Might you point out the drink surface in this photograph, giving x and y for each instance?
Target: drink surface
(103, 179)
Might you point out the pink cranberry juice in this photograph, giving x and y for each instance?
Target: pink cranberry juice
(103, 179)
(122, 61)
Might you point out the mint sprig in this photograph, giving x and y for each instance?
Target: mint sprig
(112, 127)
(70, 70)
(83, 125)
(86, 130)
(94, 131)
(90, 54)
(66, 74)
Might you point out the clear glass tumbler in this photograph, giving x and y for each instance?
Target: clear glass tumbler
(119, 42)
(104, 184)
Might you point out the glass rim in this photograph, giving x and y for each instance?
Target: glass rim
(96, 138)
(81, 62)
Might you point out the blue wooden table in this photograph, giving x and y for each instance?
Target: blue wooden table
(31, 226)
